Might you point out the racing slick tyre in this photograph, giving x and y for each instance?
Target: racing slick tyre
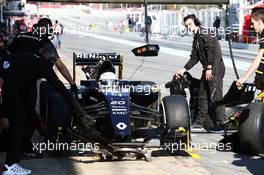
(251, 128)
(58, 118)
(176, 112)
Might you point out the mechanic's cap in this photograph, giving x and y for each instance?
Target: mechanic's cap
(45, 23)
(259, 7)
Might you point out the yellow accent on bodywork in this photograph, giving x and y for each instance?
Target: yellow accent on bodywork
(261, 95)
(259, 72)
(181, 129)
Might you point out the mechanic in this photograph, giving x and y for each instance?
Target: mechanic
(257, 18)
(19, 71)
(206, 49)
(31, 42)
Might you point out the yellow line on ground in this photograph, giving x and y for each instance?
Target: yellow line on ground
(191, 151)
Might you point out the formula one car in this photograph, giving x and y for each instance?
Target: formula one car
(127, 115)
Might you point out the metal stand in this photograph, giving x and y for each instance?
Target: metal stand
(146, 22)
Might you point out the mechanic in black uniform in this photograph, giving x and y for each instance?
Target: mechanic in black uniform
(31, 42)
(257, 18)
(206, 49)
(20, 71)
(3, 119)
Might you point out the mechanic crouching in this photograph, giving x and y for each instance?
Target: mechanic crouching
(206, 49)
(19, 72)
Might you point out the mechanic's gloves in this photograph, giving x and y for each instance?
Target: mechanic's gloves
(88, 124)
(74, 88)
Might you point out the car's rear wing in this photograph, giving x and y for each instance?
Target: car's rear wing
(92, 59)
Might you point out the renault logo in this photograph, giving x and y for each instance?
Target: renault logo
(6, 65)
(121, 126)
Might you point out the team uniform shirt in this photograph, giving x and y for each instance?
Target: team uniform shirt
(206, 50)
(259, 78)
(23, 69)
(261, 47)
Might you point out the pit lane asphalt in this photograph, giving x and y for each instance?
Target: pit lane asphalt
(158, 69)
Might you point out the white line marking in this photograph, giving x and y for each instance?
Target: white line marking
(220, 161)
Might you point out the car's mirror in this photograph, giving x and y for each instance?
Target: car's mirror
(147, 50)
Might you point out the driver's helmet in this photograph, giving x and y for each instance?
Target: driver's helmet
(105, 69)
(108, 76)
(108, 79)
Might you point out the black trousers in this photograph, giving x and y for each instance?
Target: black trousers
(31, 119)
(18, 106)
(209, 99)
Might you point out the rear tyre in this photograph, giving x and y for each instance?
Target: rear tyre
(251, 129)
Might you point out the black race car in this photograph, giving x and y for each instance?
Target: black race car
(128, 115)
